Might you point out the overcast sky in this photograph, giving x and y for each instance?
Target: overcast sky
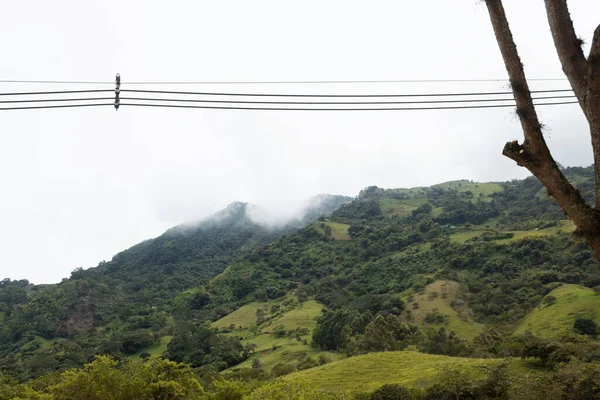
(80, 185)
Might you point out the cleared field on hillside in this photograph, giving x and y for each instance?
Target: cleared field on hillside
(572, 302)
(156, 349)
(339, 231)
(462, 237)
(271, 349)
(304, 316)
(44, 344)
(436, 298)
(370, 371)
(477, 188)
(243, 316)
(564, 226)
(288, 351)
(400, 208)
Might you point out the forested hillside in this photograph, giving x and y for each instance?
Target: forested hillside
(129, 303)
(458, 272)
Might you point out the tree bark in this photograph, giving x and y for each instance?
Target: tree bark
(534, 153)
(583, 74)
(568, 47)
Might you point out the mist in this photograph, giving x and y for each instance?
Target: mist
(81, 185)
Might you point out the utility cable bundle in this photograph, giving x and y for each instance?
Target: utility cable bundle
(262, 101)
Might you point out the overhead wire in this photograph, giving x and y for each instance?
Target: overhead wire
(336, 102)
(57, 106)
(56, 92)
(335, 109)
(241, 104)
(333, 95)
(53, 100)
(273, 82)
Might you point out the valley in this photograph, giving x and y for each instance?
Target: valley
(408, 287)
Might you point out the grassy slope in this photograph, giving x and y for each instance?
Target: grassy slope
(244, 316)
(156, 349)
(44, 344)
(573, 301)
(288, 351)
(477, 188)
(270, 349)
(339, 231)
(401, 208)
(370, 371)
(304, 316)
(461, 323)
(565, 226)
(417, 196)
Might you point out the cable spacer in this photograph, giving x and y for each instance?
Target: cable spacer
(117, 91)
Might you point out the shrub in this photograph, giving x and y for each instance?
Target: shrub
(282, 369)
(390, 392)
(256, 364)
(586, 326)
(549, 300)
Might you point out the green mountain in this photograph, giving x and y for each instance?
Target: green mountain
(459, 269)
(129, 302)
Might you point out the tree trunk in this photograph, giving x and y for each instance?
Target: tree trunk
(584, 76)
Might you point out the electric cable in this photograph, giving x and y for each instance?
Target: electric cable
(335, 95)
(53, 100)
(336, 109)
(272, 82)
(56, 92)
(336, 102)
(56, 106)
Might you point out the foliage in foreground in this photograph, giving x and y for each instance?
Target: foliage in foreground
(107, 379)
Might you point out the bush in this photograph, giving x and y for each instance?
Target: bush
(323, 359)
(549, 300)
(256, 364)
(282, 369)
(291, 389)
(586, 326)
(279, 331)
(390, 392)
(434, 317)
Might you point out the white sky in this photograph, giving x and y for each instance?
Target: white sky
(79, 185)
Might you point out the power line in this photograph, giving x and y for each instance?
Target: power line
(336, 109)
(57, 106)
(211, 101)
(328, 82)
(53, 100)
(57, 92)
(280, 108)
(272, 82)
(213, 94)
(336, 102)
(336, 95)
(58, 82)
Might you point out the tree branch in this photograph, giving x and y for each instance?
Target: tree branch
(516, 74)
(534, 154)
(594, 56)
(568, 47)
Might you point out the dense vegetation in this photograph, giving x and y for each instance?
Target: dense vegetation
(131, 302)
(460, 269)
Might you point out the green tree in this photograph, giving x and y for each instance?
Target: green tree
(106, 379)
(256, 364)
(391, 392)
(379, 335)
(586, 326)
(293, 389)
